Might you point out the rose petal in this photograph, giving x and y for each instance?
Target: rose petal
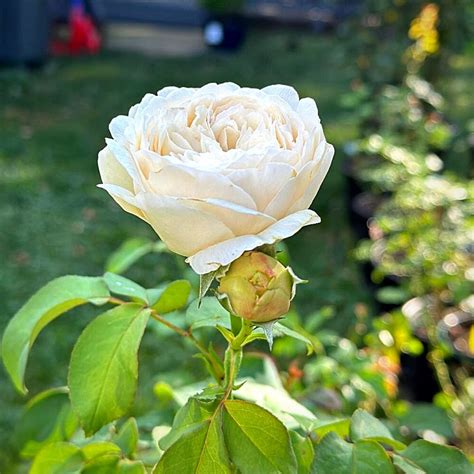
(125, 158)
(306, 183)
(240, 220)
(224, 253)
(183, 229)
(308, 112)
(118, 126)
(124, 198)
(263, 183)
(287, 93)
(318, 175)
(180, 181)
(112, 171)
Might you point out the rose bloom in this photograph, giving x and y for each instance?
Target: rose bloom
(218, 170)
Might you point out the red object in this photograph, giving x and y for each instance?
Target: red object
(83, 34)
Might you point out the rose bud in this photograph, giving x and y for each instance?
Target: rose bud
(257, 287)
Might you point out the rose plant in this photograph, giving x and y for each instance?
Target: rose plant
(222, 174)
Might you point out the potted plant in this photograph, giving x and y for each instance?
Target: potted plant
(224, 26)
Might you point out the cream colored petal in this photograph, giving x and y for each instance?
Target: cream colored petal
(293, 189)
(318, 175)
(226, 252)
(305, 184)
(308, 112)
(183, 182)
(126, 160)
(263, 183)
(117, 128)
(183, 229)
(112, 172)
(287, 93)
(126, 200)
(240, 220)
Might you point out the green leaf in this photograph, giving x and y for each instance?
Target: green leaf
(200, 450)
(341, 427)
(256, 441)
(332, 455)
(47, 419)
(127, 437)
(131, 467)
(406, 466)
(58, 458)
(210, 313)
(106, 464)
(173, 297)
(193, 413)
(104, 366)
(99, 449)
(128, 253)
(436, 458)
(57, 297)
(298, 334)
(425, 416)
(304, 452)
(366, 426)
(123, 286)
(368, 457)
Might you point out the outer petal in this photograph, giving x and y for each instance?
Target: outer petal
(181, 181)
(224, 253)
(308, 112)
(183, 229)
(118, 126)
(124, 198)
(306, 183)
(317, 178)
(117, 182)
(263, 183)
(240, 220)
(125, 158)
(112, 172)
(287, 93)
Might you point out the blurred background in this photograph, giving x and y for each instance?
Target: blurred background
(389, 268)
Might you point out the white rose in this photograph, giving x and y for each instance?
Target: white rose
(218, 170)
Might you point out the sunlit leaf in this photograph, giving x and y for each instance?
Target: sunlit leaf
(131, 467)
(364, 426)
(210, 313)
(127, 437)
(436, 458)
(199, 450)
(406, 466)
(57, 297)
(304, 452)
(332, 455)
(100, 449)
(173, 297)
(192, 414)
(58, 458)
(256, 441)
(341, 427)
(368, 457)
(104, 366)
(123, 286)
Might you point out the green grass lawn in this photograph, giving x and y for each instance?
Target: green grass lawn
(55, 221)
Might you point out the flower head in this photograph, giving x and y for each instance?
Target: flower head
(218, 170)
